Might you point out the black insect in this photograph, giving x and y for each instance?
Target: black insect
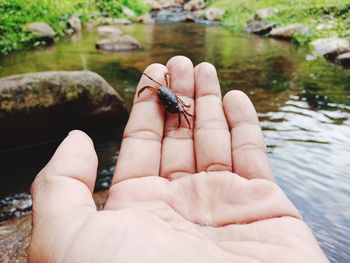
(172, 103)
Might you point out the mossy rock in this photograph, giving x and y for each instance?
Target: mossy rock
(36, 107)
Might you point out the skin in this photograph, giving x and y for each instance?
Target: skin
(178, 195)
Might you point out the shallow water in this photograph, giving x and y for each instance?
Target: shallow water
(304, 108)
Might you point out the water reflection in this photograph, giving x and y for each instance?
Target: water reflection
(304, 108)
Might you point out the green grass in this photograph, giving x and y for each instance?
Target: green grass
(15, 14)
(308, 12)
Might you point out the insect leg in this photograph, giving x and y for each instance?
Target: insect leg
(188, 122)
(186, 113)
(146, 87)
(183, 103)
(152, 79)
(179, 118)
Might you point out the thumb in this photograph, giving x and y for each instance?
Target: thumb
(62, 197)
(66, 183)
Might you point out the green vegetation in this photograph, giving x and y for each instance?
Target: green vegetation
(326, 18)
(15, 14)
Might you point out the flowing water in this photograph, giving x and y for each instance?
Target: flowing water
(304, 108)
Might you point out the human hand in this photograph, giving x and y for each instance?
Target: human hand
(178, 195)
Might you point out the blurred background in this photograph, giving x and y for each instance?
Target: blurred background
(75, 65)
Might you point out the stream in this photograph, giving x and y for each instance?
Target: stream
(303, 106)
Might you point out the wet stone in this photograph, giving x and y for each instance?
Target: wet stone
(41, 31)
(109, 31)
(169, 15)
(330, 48)
(122, 43)
(259, 27)
(288, 32)
(344, 59)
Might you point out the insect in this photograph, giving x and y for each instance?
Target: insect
(172, 103)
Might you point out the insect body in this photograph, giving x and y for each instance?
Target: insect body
(172, 103)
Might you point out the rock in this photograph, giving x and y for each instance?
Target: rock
(170, 15)
(37, 107)
(121, 43)
(121, 21)
(214, 14)
(75, 23)
(15, 234)
(113, 21)
(41, 31)
(330, 47)
(328, 25)
(146, 19)
(190, 17)
(259, 27)
(287, 32)
(109, 31)
(194, 5)
(128, 12)
(344, 59)
(157, 5)
(262, 14)
(15, 238)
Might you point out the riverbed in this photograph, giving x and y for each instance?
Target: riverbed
(303, 106)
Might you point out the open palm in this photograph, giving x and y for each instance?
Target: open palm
(178, 195)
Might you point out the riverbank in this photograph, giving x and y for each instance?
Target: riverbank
(59, 17)
(325, 18)
(310, 20)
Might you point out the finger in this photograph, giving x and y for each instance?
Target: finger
(141, 146)
(212, 136)
(177, 152)
(248, 146)
(67, 181)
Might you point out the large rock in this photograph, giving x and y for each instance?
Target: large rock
(109, 31)
(214, 14)
(121, 43)
(330, 47)
(344, 59)
(37, 107)
(288, 32)
(259, 27)
(15, 234)
(41, 31)
(194, 5)
(262, 14)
